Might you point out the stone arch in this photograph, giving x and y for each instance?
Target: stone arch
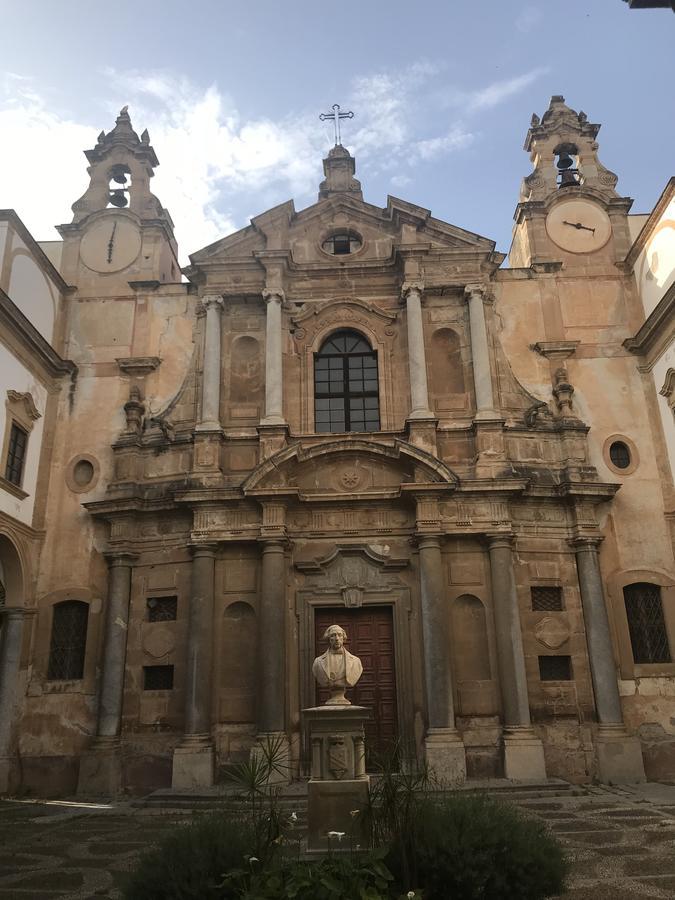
(448, 384)
(238, 663)
(472, 650)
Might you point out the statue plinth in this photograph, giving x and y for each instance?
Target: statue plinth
(338, 786)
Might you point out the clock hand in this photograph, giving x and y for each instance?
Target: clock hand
(578, 225)
(111, 242)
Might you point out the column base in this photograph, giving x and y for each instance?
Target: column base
(523, 754)
(273, 436)
(100, 772)
(193, 763)
(7, 764)
(445, 755)
(274, 748)
(618, 755)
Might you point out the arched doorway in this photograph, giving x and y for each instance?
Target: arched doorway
(11, 636)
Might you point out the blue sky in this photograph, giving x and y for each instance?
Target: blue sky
(442, 94)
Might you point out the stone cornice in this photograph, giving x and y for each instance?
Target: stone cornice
(10, 215)
(657, 328)
(31, 339)
(648, 228)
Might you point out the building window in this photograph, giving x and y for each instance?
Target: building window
(157, 678)
(546, 598)
(69, 641)
(555, 668)
(341, 243)
(162, 609)
(346, 396)
(646, 624)
(620, 455)
(16, 454)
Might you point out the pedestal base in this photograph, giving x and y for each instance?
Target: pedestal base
(274, 749)
(101, 769)
(523, 755)
(193, 761)
(445, 755)
(421, 428)
(619, 756)
(333, 806)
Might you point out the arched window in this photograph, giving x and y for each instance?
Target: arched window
(345, 384)
(644, 610)
(69, 641)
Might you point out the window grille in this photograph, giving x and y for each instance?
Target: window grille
(69, 641)
(646, 624)
(342, 243)
(620, 455)
(162, 609)
(157, 678)
(346, 395)
(16, 454)
(546, 598)
(555, 668)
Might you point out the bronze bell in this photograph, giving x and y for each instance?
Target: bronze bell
(118, 199)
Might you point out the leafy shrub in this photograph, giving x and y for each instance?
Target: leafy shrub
(467, 847)
(190, 862)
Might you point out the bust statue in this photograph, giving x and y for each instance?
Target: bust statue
(337, 669)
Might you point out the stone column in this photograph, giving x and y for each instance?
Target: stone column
(523, 751)
(417, 364)
(210, 417)
(444, 748)
(193, 758)
(100, 767)
(272, 640)
(11, 638)
(480, 353)
(619, 756)
(273, 359)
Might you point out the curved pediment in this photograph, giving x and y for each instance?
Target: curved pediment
(348, 466)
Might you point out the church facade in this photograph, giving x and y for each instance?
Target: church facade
(346, 415)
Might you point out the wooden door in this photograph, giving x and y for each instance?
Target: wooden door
(370, 636)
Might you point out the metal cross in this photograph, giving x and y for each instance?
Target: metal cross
(336, 115)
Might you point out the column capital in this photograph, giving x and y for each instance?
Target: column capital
(204, 548)
(271, 295)
(475, 289)
(500, 539)
(586, 542)
(412, 287)
(427, 541)
(14, 613)
(213, 301)
(120, 558)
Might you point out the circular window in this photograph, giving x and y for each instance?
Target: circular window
(620, 454)
(342, 243)
(82, 473)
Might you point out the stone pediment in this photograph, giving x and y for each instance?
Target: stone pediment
(347, 468)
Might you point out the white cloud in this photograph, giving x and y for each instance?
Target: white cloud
(528, 19)
(495, 93)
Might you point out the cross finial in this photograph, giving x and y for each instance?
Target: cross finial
(336, 115)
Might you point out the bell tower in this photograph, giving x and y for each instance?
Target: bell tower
(569, 208)
(120, 232)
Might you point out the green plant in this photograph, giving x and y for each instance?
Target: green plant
(464, 847)
(189, 863)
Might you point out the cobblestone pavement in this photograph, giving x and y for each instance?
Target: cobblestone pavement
(621, 842)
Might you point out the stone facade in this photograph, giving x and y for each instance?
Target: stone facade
(479, 537)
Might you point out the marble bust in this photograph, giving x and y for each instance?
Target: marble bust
(337, 669)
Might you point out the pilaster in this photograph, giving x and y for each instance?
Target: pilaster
(10, 657)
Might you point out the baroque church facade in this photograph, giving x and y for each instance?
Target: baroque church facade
(347, 414)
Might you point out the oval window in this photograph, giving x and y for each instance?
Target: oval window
(620, 455)
(341, 243)
(83, 473)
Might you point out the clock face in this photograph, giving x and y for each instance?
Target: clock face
(111, 244)
(578, 226)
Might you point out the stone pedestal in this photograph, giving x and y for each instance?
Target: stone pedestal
(619, 756)
(100, 772)
(445, 755)
(338, 785)
(523, 755)
(193, 761)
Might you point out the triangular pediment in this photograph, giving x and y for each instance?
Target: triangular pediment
(348, 467)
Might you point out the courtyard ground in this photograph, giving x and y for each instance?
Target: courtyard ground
(621, 841)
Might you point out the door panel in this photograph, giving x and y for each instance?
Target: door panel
(370, 636)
